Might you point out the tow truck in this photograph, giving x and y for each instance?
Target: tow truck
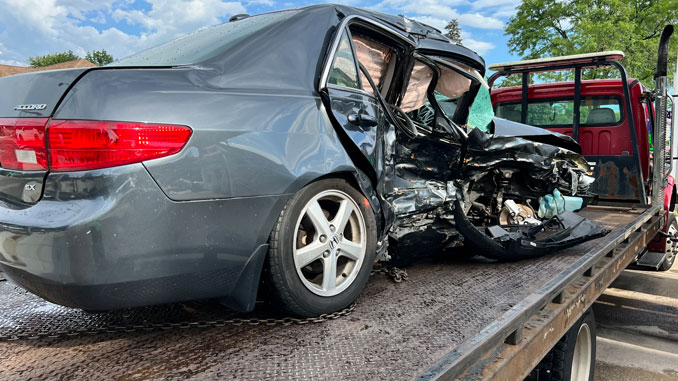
(611, 119)
(452, 319)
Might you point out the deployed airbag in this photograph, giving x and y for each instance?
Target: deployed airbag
(415, 95)
(375, 57)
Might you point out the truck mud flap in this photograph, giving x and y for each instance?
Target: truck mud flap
(527, 241)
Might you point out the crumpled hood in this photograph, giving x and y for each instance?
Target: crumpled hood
(503, 127)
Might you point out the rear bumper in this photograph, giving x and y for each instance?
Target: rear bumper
(111, 239)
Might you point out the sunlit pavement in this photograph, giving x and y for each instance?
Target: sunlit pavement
(638, 327)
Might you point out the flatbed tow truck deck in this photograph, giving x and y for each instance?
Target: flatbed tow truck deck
(452, 318)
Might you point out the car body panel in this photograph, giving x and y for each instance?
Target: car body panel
(81, 235)
(36, 88)
(285, 135)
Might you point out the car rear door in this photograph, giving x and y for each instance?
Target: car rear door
(356, 110)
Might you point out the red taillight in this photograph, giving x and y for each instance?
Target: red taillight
(76, 145)
(22, 144)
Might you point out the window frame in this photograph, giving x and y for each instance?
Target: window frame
(346, 32)
(342, 28)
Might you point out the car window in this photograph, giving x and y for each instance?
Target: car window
(204, 44)
(593, 111)
(344, 70)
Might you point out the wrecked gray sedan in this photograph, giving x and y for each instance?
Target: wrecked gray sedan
(287, 151)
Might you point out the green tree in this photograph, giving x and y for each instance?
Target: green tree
(51, 59)
(99, 57)
(453, 31)
(548, 28)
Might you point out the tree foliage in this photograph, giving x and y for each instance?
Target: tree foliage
(51, 59)
(548, 28)
(99, 57)
(453, 31)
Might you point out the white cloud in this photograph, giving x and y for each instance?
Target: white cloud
(476, 20)
(505, 12)
(179, 17)
(99, 18)
(12, 63)
(444, 9)
(37, 27)
(480, 47)
(268, 3)
(482, 4)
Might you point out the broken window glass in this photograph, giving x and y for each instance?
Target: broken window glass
(481, 113)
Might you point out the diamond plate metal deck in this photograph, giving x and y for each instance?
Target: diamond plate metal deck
(396, 331)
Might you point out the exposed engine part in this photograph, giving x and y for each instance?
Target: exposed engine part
(517, 214)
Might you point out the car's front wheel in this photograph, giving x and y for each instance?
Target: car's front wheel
(322, 249)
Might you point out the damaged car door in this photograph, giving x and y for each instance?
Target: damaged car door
(355, 109)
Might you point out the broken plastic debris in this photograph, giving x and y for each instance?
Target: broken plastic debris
(553, 205)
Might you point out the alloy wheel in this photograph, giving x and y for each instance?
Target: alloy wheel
(329, 243)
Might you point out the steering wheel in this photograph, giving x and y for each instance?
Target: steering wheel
(408, 126)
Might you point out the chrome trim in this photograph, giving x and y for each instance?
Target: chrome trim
(335, 43)
(350, 90)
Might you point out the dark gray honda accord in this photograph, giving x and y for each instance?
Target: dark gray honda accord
(289, 150)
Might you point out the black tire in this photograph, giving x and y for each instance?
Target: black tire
(287, 290)
(557, 365)
(668, 261)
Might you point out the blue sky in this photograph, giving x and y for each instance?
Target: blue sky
(123, 27)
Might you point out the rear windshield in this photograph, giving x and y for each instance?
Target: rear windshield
(204, 44)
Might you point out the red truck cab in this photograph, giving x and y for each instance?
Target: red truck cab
(604, 128)
(613, 123)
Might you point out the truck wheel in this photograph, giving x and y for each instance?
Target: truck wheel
(671, 244)
(574, 356)
(322, 249)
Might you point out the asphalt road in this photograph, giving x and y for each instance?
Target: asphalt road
(637, 331)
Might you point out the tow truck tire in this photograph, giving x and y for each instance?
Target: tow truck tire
(311, 235)
(671, 244)
(574, 356)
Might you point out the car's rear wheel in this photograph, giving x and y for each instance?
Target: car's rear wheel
(322, 249)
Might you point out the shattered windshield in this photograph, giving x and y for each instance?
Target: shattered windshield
(204, 44)
(451, 87)
(481, 113)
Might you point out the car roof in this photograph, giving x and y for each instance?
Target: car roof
(428, 40)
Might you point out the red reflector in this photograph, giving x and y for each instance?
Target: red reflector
(22, 144)
(76, 145)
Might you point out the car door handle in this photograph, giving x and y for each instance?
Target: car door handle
(362, 119)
